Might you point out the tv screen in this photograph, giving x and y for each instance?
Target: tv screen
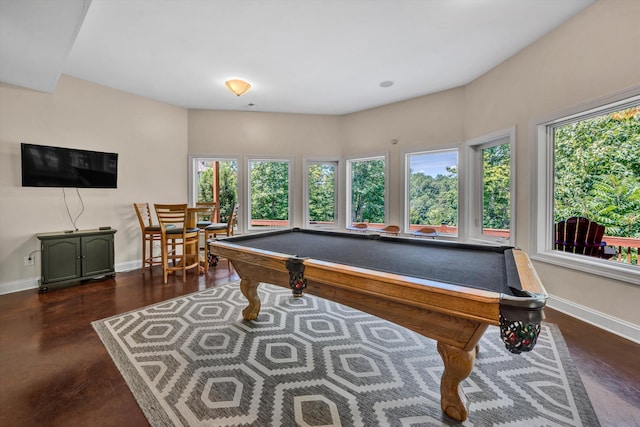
(44, 166)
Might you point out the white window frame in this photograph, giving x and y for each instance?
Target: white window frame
(193, 184)
(474, 193)
(406, 181)
(347, 177)
(247, 199)
(542, 191)
(305, 192)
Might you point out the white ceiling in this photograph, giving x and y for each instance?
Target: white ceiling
(301, 56)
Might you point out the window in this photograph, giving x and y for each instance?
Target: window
(589, 166)
(269, 193)
(490, 191)
(367, 191)
(215, 180)
(321, 194)
(432, 190)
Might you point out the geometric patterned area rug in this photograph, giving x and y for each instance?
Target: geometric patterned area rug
(193, 361)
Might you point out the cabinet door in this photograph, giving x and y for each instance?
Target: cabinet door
(97, 255)
(61, 260)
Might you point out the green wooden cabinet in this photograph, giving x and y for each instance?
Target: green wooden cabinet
(77, 256)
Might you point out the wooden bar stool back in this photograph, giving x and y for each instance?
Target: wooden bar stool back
(208, 216)
(150, 234)
(179, 243)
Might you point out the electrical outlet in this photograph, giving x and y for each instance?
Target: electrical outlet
(29, 260)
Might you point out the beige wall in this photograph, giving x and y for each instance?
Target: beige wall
(593, 55)
(429, 121)
(250, 133)
(150, 138)
(267, 134)
(419, 122)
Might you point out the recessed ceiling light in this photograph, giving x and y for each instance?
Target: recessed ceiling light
(386, 83)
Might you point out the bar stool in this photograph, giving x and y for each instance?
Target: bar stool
(150, 234)
(176, 235)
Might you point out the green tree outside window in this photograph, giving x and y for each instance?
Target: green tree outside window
(322, 184)
(367, 191)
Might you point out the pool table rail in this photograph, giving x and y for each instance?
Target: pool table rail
(527, 303)
(400, 299)
(468, 303)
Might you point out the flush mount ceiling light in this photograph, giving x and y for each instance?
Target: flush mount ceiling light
(237, 86)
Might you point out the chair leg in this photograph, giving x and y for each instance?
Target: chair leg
(144, 252)
(185, 261)
(190, 249)
(165, 261)
(206, 253)
(145, 241)
(150, 253)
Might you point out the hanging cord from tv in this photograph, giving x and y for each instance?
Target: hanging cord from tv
(73, 221)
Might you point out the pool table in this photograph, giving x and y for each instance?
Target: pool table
(447, 291)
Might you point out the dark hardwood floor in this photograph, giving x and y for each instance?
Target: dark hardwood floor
(54, 370)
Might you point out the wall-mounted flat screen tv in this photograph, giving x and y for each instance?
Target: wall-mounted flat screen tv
(44, 166)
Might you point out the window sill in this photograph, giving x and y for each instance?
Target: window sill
(492, 241)
(310, 226)
(601, 267)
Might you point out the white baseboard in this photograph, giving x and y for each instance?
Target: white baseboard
(128, 266)
(18, 285)
(600, 320)
(32, 283)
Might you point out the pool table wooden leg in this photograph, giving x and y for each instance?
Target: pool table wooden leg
(458, 364)
(249, 289)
